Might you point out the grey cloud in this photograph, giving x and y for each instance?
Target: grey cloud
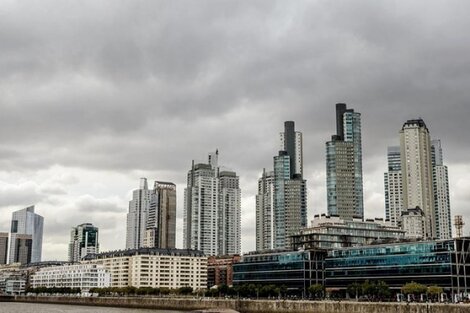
(145, 87)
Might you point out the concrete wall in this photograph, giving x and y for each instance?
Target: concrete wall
(254, 306)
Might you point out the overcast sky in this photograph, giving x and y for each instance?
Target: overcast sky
(96, 94)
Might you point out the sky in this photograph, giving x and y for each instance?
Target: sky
(96, 94)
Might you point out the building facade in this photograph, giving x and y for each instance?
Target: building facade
(440, 180)
(212, 207)
(444, 263)
(83, 276)
(26, 223)
(344, 166)
(413, 222)
(265, 212)
(83, 240)
(220, 270)
(295, 270)
(153, 267)
(281, 203)
(3, 248)
(393, 186)
(137, 216)
(161, 220)
(416, 166)
(331, 232)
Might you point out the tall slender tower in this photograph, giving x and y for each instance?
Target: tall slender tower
(440, 179)
(212, 209)
(137, 216)
(416, 166)
(83, 241)
(344, 166)
(281, 203)
(265, 211)
(393, 187)
(161, 220)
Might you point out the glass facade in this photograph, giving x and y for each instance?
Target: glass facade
(329, 232)
(344, 166)
(296, 270)
(443, 263)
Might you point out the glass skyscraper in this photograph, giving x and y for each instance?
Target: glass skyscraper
(26, 222)
(344, 166)
(83, 241)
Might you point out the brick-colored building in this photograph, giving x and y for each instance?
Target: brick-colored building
(220, 270)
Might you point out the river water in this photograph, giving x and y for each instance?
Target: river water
(10, 307)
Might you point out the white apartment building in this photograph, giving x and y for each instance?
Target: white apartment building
(83, 276)
(416, 167)
(212, 209)
(156, 268)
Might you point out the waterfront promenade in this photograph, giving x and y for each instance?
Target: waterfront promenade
(253, 306)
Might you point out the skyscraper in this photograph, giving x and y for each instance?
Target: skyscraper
(137, 216)
(26, 222)
(344, 166)
(83, 241)
(161, 221)
(212, 209)
(440, 178)
(22, 249)
(416, 166)
(281, 203)
(265, 211)
(393, 187)
(3, 248)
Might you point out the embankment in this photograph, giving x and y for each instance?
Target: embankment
(254, 306)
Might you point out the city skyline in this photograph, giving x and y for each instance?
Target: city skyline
(82, 120)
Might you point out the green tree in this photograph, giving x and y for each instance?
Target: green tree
(434, 292)
(413, 289)
(355, 289)
(382, 290)
(316, 291)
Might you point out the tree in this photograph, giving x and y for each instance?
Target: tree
(382, 290)
(355, 289)
(413, 289)
(316, 291)
(434, 292)
(369, 289)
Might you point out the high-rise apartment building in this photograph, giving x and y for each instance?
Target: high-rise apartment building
(440, 179)
(83, 241)
(3, 248)
(137, 216)
(344, 166)
(281, 203)
(393, 187)
(161, 220)
(23, 223)
(416, 166)
(212, 209)
(151, 221)
(265, 211)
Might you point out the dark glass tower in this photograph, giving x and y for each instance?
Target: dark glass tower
(344, 166)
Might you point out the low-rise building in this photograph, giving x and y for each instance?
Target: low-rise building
(220, 270)
(83, 276)
(329, 232)
(295, 270)
(445, 263)
(15, 286)
(153, 267)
